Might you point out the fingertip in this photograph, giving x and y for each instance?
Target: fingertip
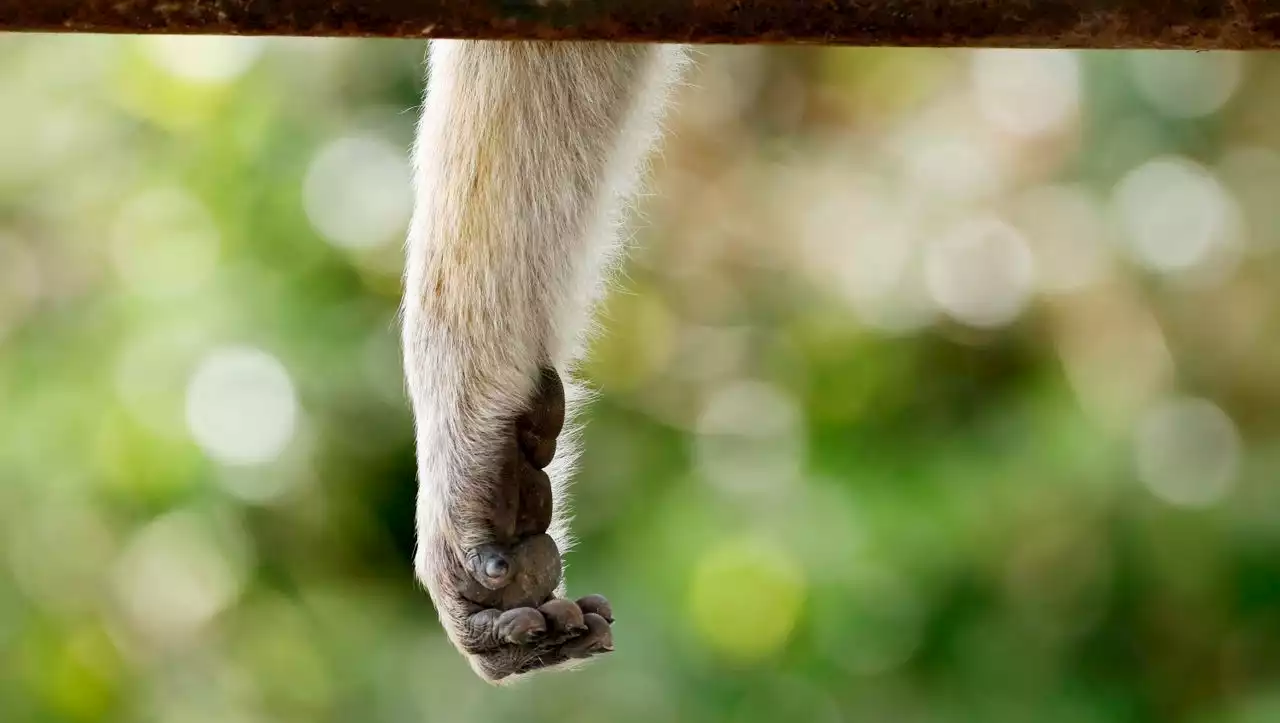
(597, 639)
(522, 626)
(597, 604)
(598, 626)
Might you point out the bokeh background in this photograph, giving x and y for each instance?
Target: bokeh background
(943, 387)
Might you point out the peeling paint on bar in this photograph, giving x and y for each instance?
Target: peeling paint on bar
(1192, 24)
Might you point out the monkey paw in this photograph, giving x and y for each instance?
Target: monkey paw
(526, 640)
(494, 573)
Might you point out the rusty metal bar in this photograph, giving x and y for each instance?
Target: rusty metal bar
(1192, 24)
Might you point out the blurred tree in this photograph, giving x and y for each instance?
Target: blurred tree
(940, 389)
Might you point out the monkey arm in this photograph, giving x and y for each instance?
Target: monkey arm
(525, 154)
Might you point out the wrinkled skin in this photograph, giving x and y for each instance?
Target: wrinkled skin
(499, 601)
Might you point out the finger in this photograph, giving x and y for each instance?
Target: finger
(522, 626)
(536, 504)
(491, 566)
(492, 531)
(540, 426)
(597, 639)
(564, 619)
(478, 632)
(597, 604)
(534, 570)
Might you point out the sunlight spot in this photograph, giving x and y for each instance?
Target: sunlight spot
(750, 438)
(981, 273)
(1186, 84)
(860, 239)
(357, 193)
(746, 598)
(241, 407)
(1188, 452)
(1027, 92)
(203, 59)
(165, 243)
(855, 235)
(173, 577)
(1177, 215)
(951, 166)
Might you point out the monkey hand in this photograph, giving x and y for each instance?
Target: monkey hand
(493, 571)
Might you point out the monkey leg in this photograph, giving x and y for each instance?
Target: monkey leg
(524, 152)
(500, 598)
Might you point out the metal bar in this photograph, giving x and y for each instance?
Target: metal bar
(1191, 24)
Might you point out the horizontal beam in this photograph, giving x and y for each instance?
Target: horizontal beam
(1191, 24)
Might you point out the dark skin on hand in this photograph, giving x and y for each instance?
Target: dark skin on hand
(502, 601)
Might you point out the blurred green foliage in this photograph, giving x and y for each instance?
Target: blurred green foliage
(944, 387)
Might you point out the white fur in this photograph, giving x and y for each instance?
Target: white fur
(525, 157)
